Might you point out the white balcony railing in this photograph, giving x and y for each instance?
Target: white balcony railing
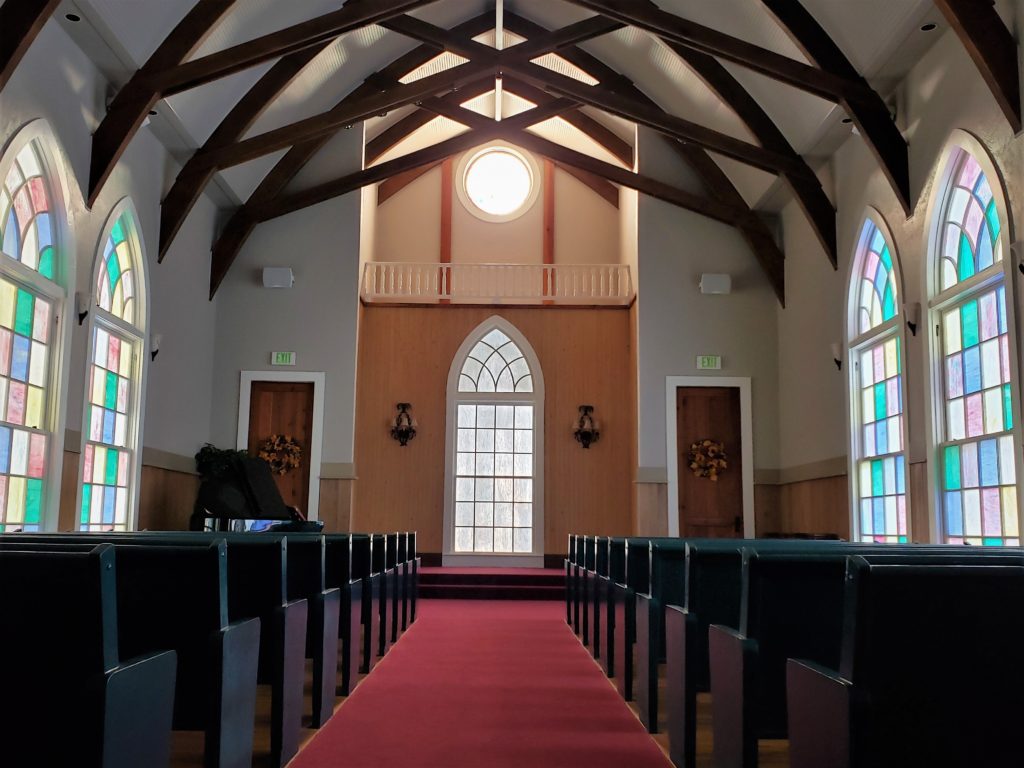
(410, 283)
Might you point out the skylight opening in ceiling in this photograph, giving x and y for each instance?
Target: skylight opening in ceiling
(440, 63)
(508, 38)
(556, 63)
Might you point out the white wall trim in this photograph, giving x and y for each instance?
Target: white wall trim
(536, 399)
(318, 379)
(742, 383)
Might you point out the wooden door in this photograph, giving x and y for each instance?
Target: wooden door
(709, 508)
(284, 408)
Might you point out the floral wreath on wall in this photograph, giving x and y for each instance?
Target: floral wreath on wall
(282, 452)
(708, 459)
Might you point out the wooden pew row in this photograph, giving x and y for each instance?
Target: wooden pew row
(927, 673)
(168, 598)
(257, 572)
(65, 676)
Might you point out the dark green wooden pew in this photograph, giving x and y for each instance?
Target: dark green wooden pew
(616, 575)
(67, 698)
(362, 570)
(414, 575)
(379, 559)
(586, 586)
(257, 572)
(339, 575)
(598, 594)
(394, 567)
(570, 587)
(176, 598)
(793, 606)
(927, 673)
(637, 581)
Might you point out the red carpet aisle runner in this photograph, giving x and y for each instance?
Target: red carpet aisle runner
(485, 684)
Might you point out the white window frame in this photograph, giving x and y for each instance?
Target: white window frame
(55, 291)
(856, 343)
(455, 398)
(939, 301)
(138, 336)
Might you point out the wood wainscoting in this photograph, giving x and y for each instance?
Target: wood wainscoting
(404, 356)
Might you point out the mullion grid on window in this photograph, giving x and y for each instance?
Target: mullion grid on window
(494, 478)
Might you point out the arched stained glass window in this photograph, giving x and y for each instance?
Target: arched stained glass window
(879, 473)
(26, 215)
(494, 495)
(879, 298)
(495, 364)
(115, 285)
(978, 363)
(113, 385)
(30, 300)
(970, 242)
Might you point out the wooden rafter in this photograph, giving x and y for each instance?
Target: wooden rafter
(834, 78)
(20, 24)
(991, 47)
(196, 174)
(168, 71)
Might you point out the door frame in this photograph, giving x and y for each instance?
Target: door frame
(742, 383)
(318, 380)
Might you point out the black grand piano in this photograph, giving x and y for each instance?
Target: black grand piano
(244, 497)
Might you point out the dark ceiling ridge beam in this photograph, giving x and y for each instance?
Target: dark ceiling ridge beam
(865, 106)
(168, 70)
(824, 83)
(656, 118)
(20, 24)
(194, 176)
(809, 194)
(992, 48)
(130, 106)
(754, 230)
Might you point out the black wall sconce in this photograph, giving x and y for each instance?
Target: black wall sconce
(585, 429)
(403, 426)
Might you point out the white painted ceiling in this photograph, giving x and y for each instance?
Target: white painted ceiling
(880, 37)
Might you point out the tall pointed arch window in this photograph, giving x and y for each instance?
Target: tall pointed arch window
(494, 504)
(876, 353)
(977, 463)
(31, 300)
(113, 384)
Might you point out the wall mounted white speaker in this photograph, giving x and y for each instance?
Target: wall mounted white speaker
(715, 283)
(278, 277)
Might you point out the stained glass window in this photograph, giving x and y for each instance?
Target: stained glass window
(976, 457)
(970, 241)
(115, 285)
(878, 430)
(24, 375)
(26, 214)
(494, 449)
(495, 364)
(878, 298)
(111, 410)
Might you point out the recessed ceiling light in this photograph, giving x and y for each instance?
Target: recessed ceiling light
(847, 120)
(152, 113)
(73, 17)
(928, 27)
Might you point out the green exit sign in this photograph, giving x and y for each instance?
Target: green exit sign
(709, 362)
(282, 358)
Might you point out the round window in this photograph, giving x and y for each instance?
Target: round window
(498, 183)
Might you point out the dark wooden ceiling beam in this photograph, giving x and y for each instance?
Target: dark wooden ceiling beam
(809, 194)
(21, 21)
(195, 175)
(168, 70)
(657, 119)
(129, 108)
(863, 104)
(992, 48)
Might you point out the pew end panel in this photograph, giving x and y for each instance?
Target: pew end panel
(288, 680)
(682, 685)
(647, 618)
(819, 716)
(325, 616)
(232, 715)
(138, 698)
(625, 633)
(350, 632)
(733, 659)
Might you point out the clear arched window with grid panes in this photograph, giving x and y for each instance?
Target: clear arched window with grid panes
(31, 300)
(976, 360)
(878, 431)
(497, 419)
(114, 380)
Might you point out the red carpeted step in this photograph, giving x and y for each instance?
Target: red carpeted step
(476, 684)
(492, 583)
(457, 591)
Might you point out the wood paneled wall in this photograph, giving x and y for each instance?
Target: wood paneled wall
(404, 356)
